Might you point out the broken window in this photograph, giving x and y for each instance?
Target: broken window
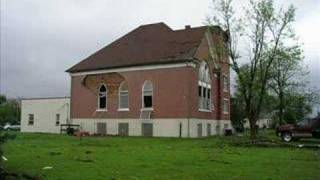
(204, 87)
(123, 96)
(102, 101)
(147, 95)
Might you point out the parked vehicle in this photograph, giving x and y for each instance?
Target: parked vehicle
(307, 128)
(9, 127)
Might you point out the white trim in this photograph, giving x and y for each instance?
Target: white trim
(136, 68)
(207, 85)
(147, 109)
(123, 109)
(205, 110)
(101, 110)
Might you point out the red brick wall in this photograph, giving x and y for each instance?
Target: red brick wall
(169, 95)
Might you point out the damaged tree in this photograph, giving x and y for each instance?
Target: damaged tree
(263, 30)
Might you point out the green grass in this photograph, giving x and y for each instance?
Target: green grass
(155, 158)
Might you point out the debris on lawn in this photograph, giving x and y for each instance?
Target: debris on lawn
(47, 167)
(309, 145)
(4, 158)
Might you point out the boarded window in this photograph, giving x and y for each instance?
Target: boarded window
(101, 128)
(31, 119)
(208, 129)
(123, 129)
(123, 96)
(147, 129)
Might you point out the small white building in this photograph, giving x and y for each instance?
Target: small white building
(263, 122)
(44, 114)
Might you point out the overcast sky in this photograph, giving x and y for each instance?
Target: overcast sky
(41, 39)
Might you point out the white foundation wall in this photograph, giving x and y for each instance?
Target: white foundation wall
(161, 127)
(44, 111)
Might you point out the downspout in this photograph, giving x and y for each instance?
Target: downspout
(188, 101)
(219, 112)
(219, 95)
(69, 120)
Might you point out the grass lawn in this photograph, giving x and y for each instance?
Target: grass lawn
(155, 158)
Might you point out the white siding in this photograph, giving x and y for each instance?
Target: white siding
(44, 111)
(161, 127)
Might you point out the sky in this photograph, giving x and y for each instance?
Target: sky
(39, 39)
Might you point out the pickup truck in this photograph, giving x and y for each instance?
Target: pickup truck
(307, 128)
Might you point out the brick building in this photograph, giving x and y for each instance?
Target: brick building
(155, 81)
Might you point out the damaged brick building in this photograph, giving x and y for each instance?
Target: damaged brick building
(155, 81)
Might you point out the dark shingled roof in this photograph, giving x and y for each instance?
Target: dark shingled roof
(147, 44)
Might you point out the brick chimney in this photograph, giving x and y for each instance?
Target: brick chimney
(187, 27)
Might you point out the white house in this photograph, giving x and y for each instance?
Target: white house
(44, 114)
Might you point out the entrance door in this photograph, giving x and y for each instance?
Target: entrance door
(199, 130)
(147, 129)
(208, 129)
(101, 128)
(123, 129)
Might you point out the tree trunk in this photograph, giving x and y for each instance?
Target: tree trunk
(281, 107)
(253, 129)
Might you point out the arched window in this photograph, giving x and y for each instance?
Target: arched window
(147, 93)
(204, 87)
(123, 96)
(102, 99)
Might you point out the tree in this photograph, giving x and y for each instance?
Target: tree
(237, 111)
(9, 112)
(265, 30)
(3, 99)
(287, 74)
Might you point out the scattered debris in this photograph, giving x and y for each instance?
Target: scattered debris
(47, 167)
(309, 145)
(4, 158)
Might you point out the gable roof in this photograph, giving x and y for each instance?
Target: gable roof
(147, 44)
